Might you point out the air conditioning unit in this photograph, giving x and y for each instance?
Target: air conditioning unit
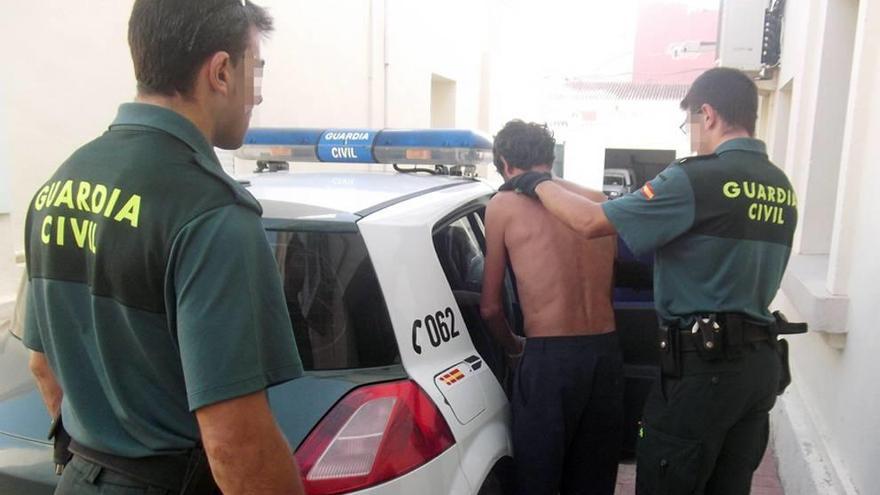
(741, 34)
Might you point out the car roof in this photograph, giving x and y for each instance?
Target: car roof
(339, 195)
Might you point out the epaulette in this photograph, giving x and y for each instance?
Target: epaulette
(695, 158)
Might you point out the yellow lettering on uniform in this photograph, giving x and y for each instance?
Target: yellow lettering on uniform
(781, 197)
(114, 196)
(46, 236)
(779, 218)
(40, 202)
(99, 197)
(80, 232)
(767, 212)
(59, 232)
(753, 211)
(93, 247)
(732, 190)
(762, 192)
(66, 195)
(771, 194)
(749, 193)
(82, 196)
(131, 211)
(52, 192)
(793, 200)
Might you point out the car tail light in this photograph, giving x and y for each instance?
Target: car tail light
(375, 434)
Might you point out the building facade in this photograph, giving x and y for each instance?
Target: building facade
(819, 114)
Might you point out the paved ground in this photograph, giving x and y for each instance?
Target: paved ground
(765, 481)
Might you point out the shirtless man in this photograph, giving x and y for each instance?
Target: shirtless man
(567, 399)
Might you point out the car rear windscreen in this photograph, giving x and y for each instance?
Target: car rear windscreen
(336, 307)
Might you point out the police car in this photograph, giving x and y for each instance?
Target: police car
(381, 261)
(404, 390)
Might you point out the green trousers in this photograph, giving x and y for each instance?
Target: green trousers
(706, 431)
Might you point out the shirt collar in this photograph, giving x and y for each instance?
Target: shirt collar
(143, 114)
(742, 144)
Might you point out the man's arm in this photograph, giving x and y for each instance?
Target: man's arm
(491, 300)
(245, 448)
(580, 214)
(50, 391)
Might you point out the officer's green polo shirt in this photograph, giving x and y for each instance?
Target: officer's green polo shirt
(721, 227)
(153, 289)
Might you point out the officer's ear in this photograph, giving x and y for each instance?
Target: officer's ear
(220, 73)
(708, 117)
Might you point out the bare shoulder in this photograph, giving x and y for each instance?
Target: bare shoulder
(501, 204)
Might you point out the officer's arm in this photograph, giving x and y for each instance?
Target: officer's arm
(491, 302)
(582, 215)
(591, 194)
(46, 382)
(245, 447)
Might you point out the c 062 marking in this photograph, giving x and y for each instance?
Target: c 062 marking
(439, 326)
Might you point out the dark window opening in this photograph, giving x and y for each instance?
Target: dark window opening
(336, 306)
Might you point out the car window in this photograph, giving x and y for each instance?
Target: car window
(336, 306)
(461, 255)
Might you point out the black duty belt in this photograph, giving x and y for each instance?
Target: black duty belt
(750, 333)
(166, 471)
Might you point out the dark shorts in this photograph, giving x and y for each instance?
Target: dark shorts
(568, 415)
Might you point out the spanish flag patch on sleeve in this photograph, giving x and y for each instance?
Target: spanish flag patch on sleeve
(648, 191)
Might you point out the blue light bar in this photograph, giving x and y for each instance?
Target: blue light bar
(427, 146)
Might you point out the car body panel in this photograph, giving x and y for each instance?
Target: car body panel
(401, 235)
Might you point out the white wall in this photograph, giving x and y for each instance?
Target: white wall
(835, 375)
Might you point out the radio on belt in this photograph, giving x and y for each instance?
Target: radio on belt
(448, 151)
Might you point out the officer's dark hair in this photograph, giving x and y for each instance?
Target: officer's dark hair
(524, 145)
(730, 92)
(170, 39)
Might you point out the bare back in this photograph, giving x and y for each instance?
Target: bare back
(564, 281)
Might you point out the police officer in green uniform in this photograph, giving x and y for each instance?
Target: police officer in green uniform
(721, 227)
(155, 310)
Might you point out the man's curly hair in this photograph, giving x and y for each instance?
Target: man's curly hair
(524, 145)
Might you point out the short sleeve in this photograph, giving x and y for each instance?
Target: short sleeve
(657, 213)
(30, 331)
(232, 323)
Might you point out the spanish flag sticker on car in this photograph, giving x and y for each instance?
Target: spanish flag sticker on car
(648, 191)
(452, 377)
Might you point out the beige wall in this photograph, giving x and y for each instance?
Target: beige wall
(828, 101)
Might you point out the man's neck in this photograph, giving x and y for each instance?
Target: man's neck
(732, 134)
(189, 109)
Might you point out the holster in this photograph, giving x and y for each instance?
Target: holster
(783, 327)
(669, 339)
(60, 444)
(784, 369)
